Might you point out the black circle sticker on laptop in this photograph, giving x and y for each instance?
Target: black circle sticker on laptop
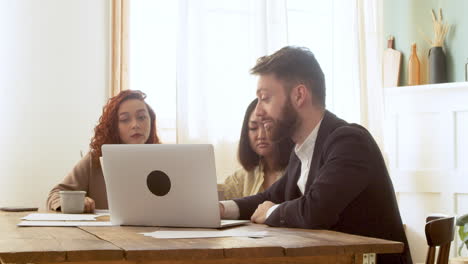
(158, 183)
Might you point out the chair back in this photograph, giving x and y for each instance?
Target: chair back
(439, 233)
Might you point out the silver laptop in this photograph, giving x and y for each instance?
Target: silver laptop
(162, 185)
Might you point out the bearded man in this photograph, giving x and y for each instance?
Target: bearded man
(336, 178)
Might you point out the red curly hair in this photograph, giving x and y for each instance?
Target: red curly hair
(107, 131)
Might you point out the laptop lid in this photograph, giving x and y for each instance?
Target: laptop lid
(161, 185)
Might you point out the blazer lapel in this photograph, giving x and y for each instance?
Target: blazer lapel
(294, 170)
(329, 123)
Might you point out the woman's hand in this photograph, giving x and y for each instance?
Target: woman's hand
(89, 205)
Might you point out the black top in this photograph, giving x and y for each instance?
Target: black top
(348, 189)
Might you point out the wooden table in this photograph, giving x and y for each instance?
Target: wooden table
(125, 245)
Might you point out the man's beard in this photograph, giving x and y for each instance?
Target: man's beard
(286, 126)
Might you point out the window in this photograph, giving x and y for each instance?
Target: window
(329, 30)
(152, 62)
(192, 59)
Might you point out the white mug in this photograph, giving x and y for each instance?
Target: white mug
(72, 202)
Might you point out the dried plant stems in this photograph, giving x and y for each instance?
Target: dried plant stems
(440, 29)
(426, 38)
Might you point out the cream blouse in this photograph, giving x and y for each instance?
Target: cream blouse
(245, 183)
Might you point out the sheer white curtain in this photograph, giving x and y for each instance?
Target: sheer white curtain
(152, 60)
(343, 80)
(345, 36)
(192, 58)
(330, 30)
(217, 44)
(370, 15)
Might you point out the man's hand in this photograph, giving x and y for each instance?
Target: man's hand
(89, 205)
(221, 210)
(259, 216)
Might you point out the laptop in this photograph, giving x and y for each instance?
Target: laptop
(171, 185)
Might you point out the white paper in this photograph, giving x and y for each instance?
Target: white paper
(61, 223)
(101, 212)
(205, 234)
(60, 217)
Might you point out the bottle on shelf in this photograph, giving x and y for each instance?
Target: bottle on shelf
(466, 70)
(414, 73)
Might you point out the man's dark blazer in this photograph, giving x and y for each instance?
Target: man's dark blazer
(348, 189)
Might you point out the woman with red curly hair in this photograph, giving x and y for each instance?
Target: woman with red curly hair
(126, 119)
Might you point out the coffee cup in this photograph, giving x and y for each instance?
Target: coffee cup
(72, 202)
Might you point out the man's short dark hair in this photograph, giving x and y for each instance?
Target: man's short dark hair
(293, 66)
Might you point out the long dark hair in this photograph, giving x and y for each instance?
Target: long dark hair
(248, 158)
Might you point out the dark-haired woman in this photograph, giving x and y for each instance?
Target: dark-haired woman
(263, 162)
(126, 119)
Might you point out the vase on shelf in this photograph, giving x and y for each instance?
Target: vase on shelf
(437, 65)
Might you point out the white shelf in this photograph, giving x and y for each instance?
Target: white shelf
(426, 98)
(390, 91)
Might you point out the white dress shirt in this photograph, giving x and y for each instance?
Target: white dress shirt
(304, 152)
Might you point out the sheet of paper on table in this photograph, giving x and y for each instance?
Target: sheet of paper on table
(61, 217)
(63, 223)
(101, 212)
(205, 234)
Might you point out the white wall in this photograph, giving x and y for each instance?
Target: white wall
(54, 61)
